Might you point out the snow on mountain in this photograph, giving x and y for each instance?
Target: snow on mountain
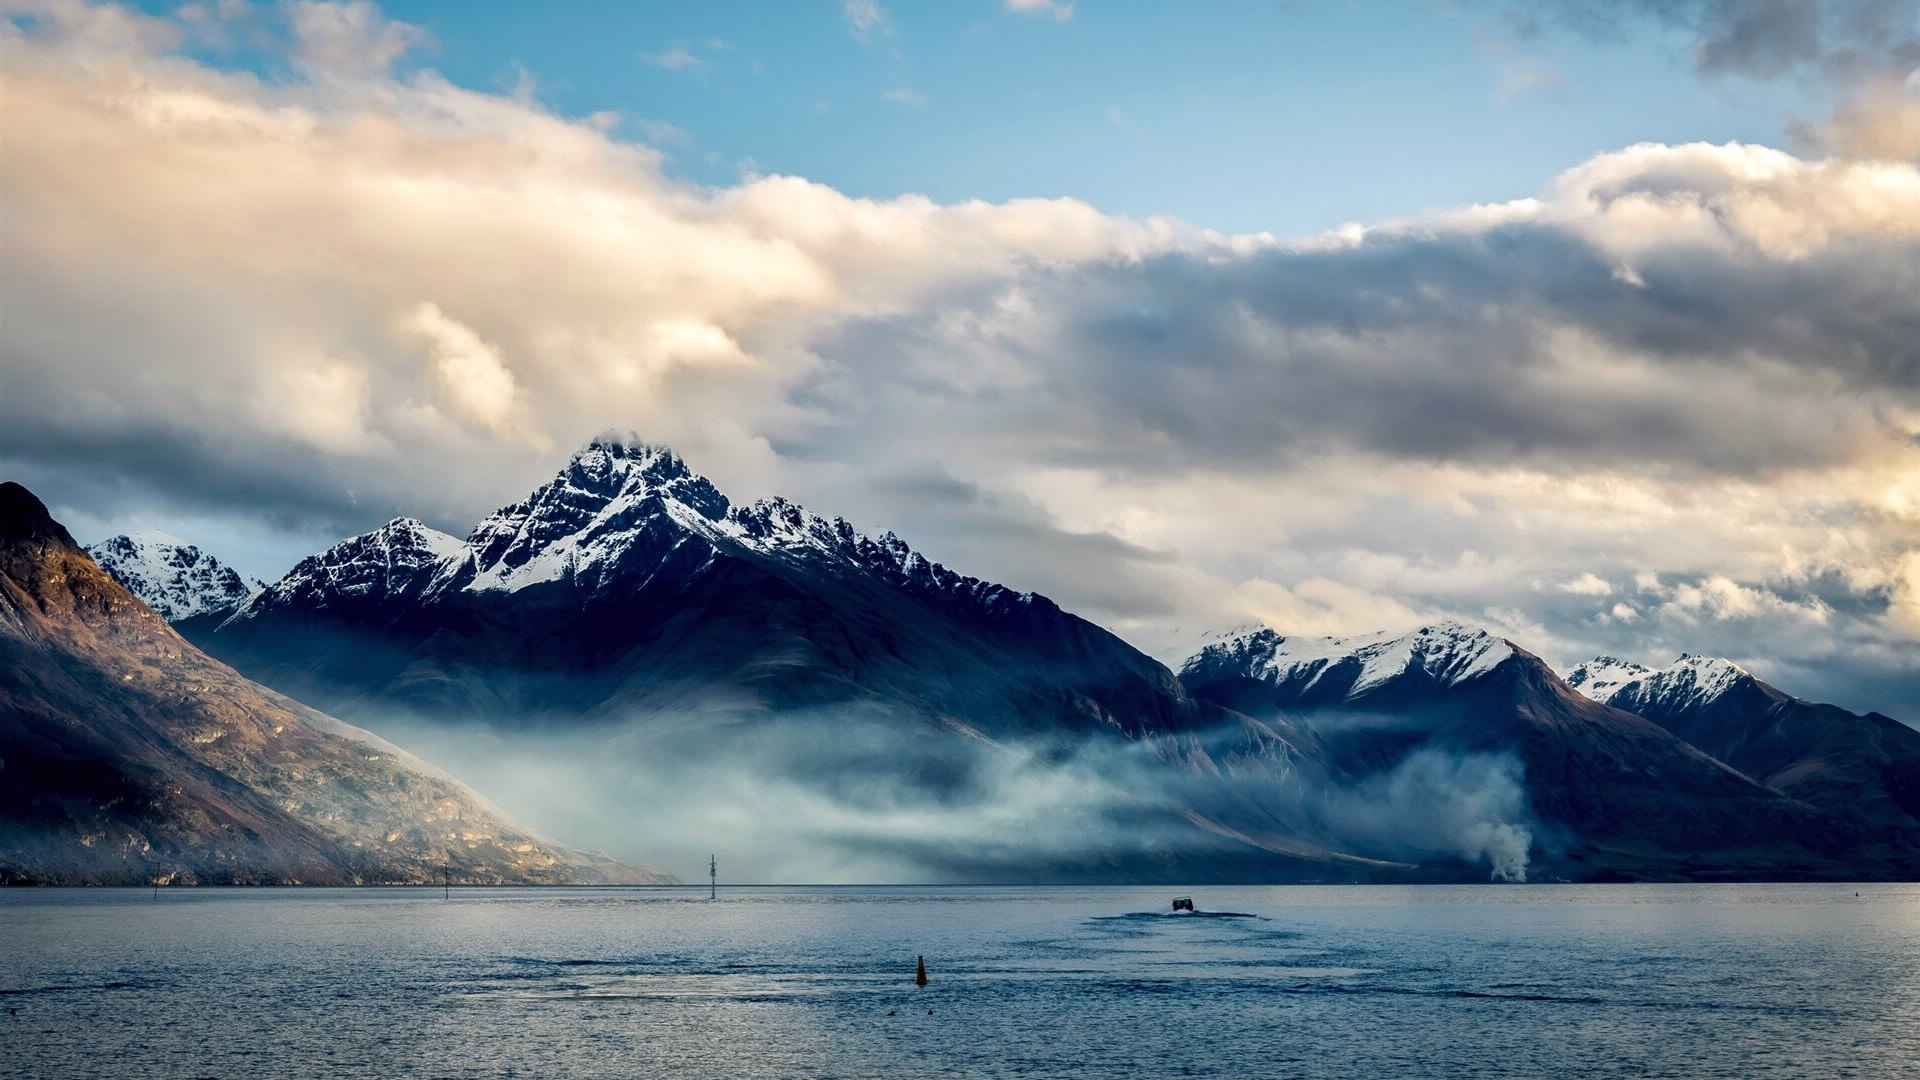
(175, 579)
(1602, 676)
(1689, 682)
(402, 557)
(1449, 652)
(613, 499)
(599, 507)
(589, 515)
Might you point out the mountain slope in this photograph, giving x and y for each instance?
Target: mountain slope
(629, 601)
(1615, 792)
(129, 756)
(630, 585)
(178, 581)
(1865, 768)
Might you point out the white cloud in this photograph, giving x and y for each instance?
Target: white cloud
(676, 58)
(1321, 607)
(318, 400)
(904, 95)
(1054, 9)
(471, 373)
(351, 40)
(1719, 597)
(866, 17)
(1588, 584)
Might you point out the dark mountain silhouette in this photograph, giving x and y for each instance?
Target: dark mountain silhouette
(629, 585)
(1863, 768)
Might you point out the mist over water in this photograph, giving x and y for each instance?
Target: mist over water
(852, 796)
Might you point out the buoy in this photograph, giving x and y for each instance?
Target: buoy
(920, 972)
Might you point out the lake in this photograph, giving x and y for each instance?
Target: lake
(1729, 980)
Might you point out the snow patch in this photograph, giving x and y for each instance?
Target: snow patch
(1450, 652)
(176, 579)
(1603, 676)
(1687, 683)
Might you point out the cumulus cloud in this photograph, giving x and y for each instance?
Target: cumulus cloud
(1839, 39)
(1881, 121)
(1866, 51)
(473, 378)
(1588, 584)
(352, 40)
(1685, 372)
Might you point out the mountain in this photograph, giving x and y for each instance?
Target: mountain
(1310, 671)
(1616, 794)
(630, 602)
(1865, 768)
(128, 756)
(178, 581)
(630, 607)
(630, 585)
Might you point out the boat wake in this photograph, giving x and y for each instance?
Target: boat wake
(1143, 916)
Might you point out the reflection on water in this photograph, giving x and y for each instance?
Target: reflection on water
(1524, 981)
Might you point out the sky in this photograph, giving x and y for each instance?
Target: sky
(1587, 323)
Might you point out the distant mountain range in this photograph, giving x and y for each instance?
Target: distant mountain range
(1864, 769)
(1627, 797)
(127, 756)
(630, 595)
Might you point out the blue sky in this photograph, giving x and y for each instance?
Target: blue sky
(1289, 118)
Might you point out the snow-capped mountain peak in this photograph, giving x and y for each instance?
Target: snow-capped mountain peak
(618, 514)
(399, 558)
(1603, 676)
(620, 498)
(1448, 652)
(587, 513)
(1690, 681)
(176, 579)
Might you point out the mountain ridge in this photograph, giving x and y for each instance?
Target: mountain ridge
(131, 757)
(177, 580)
(1865, 767)
(629, 594)
(1636, 796)
(627, 525)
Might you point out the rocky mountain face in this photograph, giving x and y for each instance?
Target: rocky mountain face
(178, 581)
(1614, 793)
(127, 756)
(1865, 769)
(630, 585)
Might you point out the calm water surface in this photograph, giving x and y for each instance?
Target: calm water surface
(1736, 981)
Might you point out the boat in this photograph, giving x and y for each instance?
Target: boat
(1183, 903)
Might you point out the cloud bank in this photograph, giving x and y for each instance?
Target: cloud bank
(1668, 402)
